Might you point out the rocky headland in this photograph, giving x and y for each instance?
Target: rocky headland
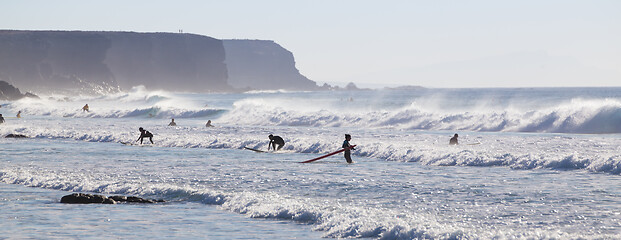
(105, 62)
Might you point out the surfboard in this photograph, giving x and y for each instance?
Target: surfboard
(136, 144)
(252, 149)
(327, 155)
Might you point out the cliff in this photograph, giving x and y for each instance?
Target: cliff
(103, 62)
(41, 60)
(9, 92)
(261, 64)
(170, 61)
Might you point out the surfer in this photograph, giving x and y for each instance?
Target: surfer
(275, 140)
(348, 148)
(85, 108)
(19, 114)
(143, 134)
(208, 124)
(453, 140)
(1, 119)
(172, 123)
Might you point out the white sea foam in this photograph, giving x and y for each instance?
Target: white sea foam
(385, 195)
(314, 123)
(432, 112)
(336, 219)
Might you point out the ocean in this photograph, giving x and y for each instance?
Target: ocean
(532, 163)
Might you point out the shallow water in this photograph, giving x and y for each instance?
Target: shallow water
(371, 198)
(524, 176)
(36, 213)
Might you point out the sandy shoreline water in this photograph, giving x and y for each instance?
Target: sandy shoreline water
(27, 212)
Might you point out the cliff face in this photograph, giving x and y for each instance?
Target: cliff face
(102, 62)
(9, 92)
(69, 60)
(175, 62)
(261, 64)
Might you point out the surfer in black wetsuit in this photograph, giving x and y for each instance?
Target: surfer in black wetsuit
(453, 140)
(275, 140)
(1, 119)
(348, 148)
(172, 123)
(143, 134)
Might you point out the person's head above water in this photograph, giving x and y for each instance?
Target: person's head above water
(270, 136)
(455, 135)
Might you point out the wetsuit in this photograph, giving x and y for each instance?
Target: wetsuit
(144, 134)
(347, 151)
(277, 140)
(453, 141)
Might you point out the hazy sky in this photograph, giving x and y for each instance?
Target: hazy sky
(457, 43)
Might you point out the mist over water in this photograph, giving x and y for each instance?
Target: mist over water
(396, 125)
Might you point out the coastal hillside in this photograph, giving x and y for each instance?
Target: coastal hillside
(9, 92)
(261, 64)
(104, 62)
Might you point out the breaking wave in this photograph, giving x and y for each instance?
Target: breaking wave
(575, 116)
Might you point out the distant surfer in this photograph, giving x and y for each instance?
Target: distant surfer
(208, 124)
(172, 123)
(143, 134)
(19, 114)
(275, 140)
(348, 148)
(85, 108)
(1, 119)
(453, 140)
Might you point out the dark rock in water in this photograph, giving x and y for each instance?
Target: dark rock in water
(134, 199)
(15, 136)
(119, 198)
(83, 198)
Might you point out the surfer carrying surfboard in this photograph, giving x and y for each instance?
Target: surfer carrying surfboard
(275, 140)
(348, 148)
(143, 134)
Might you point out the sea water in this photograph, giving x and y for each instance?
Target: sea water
(531, 164)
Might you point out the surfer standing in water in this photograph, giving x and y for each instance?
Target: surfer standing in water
(275, 140)
(348, 148)
(453, 140)
(85, 108)
(143, 134)
(172, 123)
(1, 119)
